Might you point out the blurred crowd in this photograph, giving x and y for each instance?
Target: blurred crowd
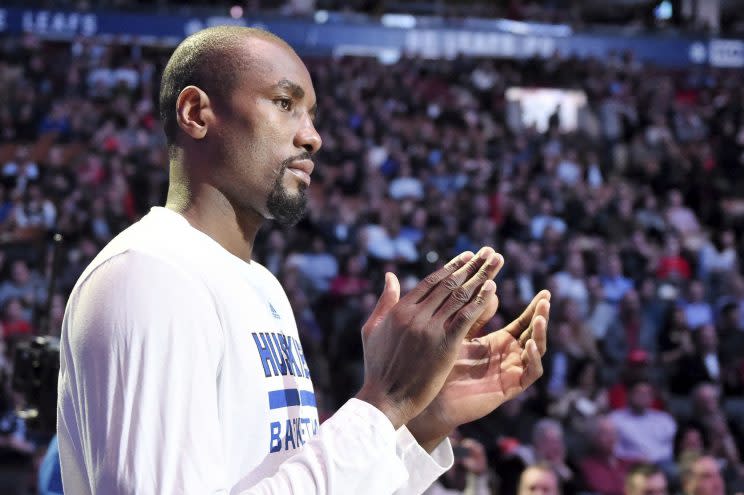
(633, 221)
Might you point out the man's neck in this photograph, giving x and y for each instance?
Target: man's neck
(637, 411)
(207, 210)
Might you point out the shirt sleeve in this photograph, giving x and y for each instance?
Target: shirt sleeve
(140, 356)
(423, 468)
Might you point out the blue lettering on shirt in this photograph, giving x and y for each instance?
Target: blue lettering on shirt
(276, 442)
(290, 437)
(280, 354)
(267, 356)
(298, 349)
(297, 432)
(287, 348)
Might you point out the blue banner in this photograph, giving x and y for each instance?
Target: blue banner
(330, 35)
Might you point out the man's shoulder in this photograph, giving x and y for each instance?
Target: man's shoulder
(149, 244)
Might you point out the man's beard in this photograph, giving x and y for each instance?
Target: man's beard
(285, 208)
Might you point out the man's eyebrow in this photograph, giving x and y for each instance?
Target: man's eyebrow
(293, 88)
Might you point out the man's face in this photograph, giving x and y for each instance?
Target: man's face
(655, 484)
(641, 397)
(706, 399)
(606, 436)
(708, 338)
(551, 447)
(705, 478)
(20, 272)
(264, 134)
(538, 482)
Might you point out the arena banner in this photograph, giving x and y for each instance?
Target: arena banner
(333, 35)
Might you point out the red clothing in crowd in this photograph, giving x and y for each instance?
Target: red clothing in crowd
(604, 476)
(669, 266)
(16, 328)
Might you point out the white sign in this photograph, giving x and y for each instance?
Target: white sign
(59, 23)
(726, 53)
(450, 43)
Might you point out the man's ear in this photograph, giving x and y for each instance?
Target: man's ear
(194, 112)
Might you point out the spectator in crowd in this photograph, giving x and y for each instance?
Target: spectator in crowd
(15, 320)
(317, 265)
(723, 447)
(351, 281)
(385, 241)
(469, 476)
(26, 285)
(602, 471)
(731, 342)
(549, 448)
(559, 362)
(570, 283)
(718, 258)
(675, 340)
(672, 266)
(637, 367)
(584, 399)
(16, 446)
(507, 431)
(34, 212)
(581, 343)
(702, 364)
(644, 434)
(702, 476)
(681, 218)
(698, 311)
(706, 402)
(21, 171)
(646, 479)
(539, 479)
(632, 330)
(689, 440)
(614, 284)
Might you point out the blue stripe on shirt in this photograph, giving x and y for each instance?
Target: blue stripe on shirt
(290, 397)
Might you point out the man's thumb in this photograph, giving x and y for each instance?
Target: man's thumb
(389, 298)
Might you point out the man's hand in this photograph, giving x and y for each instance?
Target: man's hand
(411, 344)
(488, 372)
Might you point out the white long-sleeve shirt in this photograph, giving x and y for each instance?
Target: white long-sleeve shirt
(181, 371)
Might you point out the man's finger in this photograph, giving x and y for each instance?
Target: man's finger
(428, 305)
(461, 321)
(432, 280)
(532, 364)
(522, 323)
(492, 305)
(388, 299)
(539, 333)
(489, 270)
(465, 284)
(542, 312)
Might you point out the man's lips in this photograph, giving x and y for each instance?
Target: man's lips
(302, 169)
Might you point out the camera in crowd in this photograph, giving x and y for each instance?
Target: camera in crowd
(36, 369)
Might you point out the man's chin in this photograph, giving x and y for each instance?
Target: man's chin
(287, 209)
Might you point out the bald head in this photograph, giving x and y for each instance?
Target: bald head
(212, 60)
(538, 479)
(701, 475)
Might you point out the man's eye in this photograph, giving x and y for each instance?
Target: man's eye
(284, 103)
